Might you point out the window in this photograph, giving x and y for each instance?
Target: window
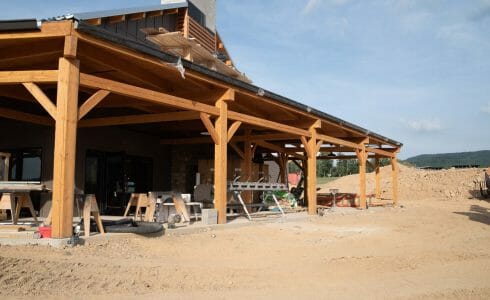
(25, 164)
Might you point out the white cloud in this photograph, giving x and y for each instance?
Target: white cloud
(486, 108)
(312, 4)
(424, 125)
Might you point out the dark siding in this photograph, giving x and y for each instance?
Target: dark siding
(131, 29)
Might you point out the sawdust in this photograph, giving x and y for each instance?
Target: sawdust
(435, 247)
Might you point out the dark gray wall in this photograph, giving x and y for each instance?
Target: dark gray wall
(131, 29)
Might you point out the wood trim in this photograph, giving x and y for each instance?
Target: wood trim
(41, 97)
(25, 117)
(91, 102)
(233, 129)
(41, 76)
(140, 119)
(206, 120)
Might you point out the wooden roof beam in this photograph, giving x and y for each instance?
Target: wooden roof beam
(47, 30)
(16, 77)
(139, 119)
(25, 117)
(337, 141)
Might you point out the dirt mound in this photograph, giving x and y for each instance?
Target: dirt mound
(416, 183)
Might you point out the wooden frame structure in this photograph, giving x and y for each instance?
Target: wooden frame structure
(76, 75)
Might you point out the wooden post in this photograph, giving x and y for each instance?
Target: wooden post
(311, 152)
(377, 177)
(221, 156)
(394, 178)
(65, 148)
(362, 157)
(247, 165)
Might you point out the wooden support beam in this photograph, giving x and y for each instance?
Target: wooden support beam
(233, 129)
(394, 179)
(206, 120)
(266, 137)
(311, 146)
(341, 157)
(267, 124)
(188, 141)
(237, 150)
(145, 94)
(65, 148)
(337, 141)
(39, 95)
(298, 165)
(91, 102)
(247, 168)
(16, 77)
(25, 117)
(71, 44)
(381, 152)
(141, 119)
(362, 157)
(377, 178)
(220, 161)
(278, 149)
(48, 30)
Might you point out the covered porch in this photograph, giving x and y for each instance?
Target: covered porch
(80, 88)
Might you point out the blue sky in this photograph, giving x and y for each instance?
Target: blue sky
(415, 71)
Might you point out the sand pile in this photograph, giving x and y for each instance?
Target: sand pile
(417, 184)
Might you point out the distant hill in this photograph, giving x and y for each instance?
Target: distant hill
(446, 160)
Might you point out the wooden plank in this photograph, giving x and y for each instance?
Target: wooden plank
(65, 149)
(233, 129)
(337, 141)
(25, 117)
(91, 102)
(41, 76)
(140, 119)
(220, 161)
(206, 120)
(394, 179)
(145, 94)
(380, 152)
(48, 30)
(41, 97)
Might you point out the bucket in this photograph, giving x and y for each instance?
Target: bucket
(45, 232)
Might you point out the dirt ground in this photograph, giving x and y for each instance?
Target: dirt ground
(435, 246)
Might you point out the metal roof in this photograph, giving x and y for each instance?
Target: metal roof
(152, 50)
(128, 11)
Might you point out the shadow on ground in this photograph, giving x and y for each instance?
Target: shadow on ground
(477, 213)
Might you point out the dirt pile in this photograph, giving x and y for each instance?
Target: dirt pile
(417, 184)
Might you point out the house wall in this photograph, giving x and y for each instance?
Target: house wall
(132, 29)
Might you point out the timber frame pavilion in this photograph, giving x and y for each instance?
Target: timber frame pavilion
(81, 76)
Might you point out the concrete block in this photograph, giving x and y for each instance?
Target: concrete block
(209, 217)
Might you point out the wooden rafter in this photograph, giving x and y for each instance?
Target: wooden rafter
(25, 117)
(41, 76)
